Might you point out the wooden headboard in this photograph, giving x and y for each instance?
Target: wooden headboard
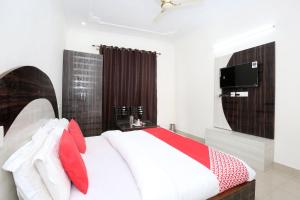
(27, 102)
(20, 86)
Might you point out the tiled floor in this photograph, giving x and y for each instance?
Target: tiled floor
(278, 183)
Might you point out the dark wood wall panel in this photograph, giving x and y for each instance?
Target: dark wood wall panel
(20, 86)
(254, 115)
(82, 90)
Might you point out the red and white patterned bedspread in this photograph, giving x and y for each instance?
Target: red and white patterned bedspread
(229, 170)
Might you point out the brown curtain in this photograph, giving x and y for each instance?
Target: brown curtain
(129, 79)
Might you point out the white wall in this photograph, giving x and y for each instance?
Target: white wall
(32, 33)
(81, 39)
(194, 88)
(195, 65)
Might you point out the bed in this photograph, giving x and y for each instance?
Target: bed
(117, 163)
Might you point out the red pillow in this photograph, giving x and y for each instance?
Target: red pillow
(72, 162)
(77, 135)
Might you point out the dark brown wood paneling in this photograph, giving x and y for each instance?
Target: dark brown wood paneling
(254, 115)
(82, 90)
(20, 86)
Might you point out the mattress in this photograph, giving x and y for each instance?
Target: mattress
(136, 165)
(109, 176)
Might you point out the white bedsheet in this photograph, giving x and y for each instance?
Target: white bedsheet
(109, 176)
(161, 171)
(138, 166)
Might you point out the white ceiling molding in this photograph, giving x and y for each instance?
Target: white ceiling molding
(98, 20)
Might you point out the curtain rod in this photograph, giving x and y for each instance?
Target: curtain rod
(98, 48)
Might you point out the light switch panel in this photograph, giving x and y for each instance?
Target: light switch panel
(1, 135)
(242, 94)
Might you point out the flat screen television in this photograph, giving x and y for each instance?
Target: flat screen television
(239, 76)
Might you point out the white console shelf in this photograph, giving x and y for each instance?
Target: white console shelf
(256, 151)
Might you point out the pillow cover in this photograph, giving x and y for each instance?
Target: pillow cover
(44, 130)
(72, 162)
(19, 194)
(27, 179)
(77, 135)
(50, 168)
(21, 155)
(63, 122)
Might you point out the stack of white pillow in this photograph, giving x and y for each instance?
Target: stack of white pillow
(36, 167)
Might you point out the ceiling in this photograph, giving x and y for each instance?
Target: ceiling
(137, 15)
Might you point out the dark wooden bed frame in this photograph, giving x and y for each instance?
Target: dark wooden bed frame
(20, 86)
(245, 191)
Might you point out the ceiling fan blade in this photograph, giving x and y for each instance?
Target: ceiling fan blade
(175, 6)
(182, 4)
(188, 2)
(158, 17)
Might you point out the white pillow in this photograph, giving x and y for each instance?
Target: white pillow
(63, 123)
(49, 166)
(21, 155)
(45, 129)
(19, 194)
(27, 179)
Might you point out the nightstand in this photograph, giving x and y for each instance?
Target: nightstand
(124, 126)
